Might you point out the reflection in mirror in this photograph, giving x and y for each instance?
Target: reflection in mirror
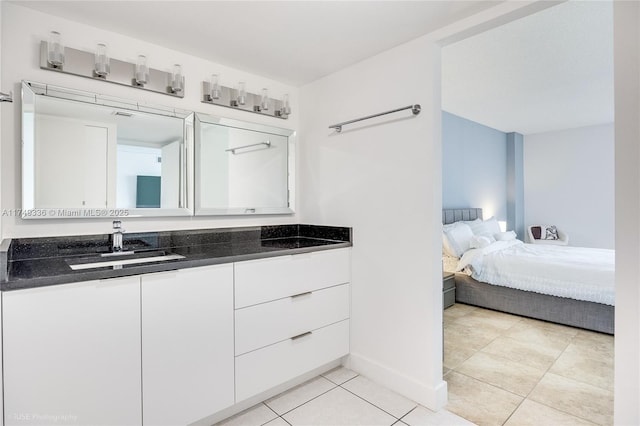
(85, 156)
(243, 168)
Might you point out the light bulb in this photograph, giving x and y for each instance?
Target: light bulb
(286, 107)
(177, 81)
(55, 50)
(142, 71)
(242, 93)
(215, 87)
(264, 100)
(102, 67)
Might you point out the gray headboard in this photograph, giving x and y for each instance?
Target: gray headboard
(456, 215)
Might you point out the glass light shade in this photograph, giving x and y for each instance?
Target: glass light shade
(55, 50)
(242, 93)
(264, 100)
(102, 66)
(215, 87)
(142, 70)
(177, 81)
(286, 107)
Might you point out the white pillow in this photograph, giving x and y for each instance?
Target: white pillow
(446, 247)
(505, 236)
(489, 227)
(549, 232)
(458, 238)
(481, 241)
(475, 225)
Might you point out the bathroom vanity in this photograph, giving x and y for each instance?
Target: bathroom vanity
(161, 328)
(239, 313)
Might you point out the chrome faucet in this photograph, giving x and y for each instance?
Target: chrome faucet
(117, 236)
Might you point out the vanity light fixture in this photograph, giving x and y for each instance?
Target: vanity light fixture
(142, 71)
(215, 87)
(55, 50)
(177, 79)
(238, 98)
(99, 65)
(264, 101)
(285, 110)
(242, 93)
(102, 66)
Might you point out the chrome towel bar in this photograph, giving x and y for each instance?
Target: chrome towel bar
(415, 109)
(233, 150)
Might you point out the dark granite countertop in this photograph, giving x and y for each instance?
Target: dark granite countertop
(37, 262)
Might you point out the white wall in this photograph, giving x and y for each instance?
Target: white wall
(133, 161)
(627, 194)
(383, 178)
(569, 182)
(22, 31)
(2, 89)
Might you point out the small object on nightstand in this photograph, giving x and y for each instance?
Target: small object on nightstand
(448, 289)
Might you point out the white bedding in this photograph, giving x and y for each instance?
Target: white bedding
(573, 272)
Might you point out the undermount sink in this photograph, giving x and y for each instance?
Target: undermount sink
(119, 259)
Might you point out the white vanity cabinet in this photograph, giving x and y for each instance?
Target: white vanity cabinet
(171, 348)
(72, 354)
(292, 316)
(187, 344)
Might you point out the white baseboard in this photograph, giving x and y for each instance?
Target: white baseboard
(434, 398)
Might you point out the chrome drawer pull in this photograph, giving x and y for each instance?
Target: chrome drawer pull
(300, 335)
(301, 294)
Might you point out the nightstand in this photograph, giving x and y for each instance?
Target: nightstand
(448, 289)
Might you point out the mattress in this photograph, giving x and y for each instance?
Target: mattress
(585, 274)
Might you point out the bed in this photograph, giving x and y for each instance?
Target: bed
(589, 315)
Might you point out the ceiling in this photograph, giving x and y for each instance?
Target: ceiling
(549, 71)
(294, 42)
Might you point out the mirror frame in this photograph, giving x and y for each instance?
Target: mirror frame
(247, 210)
(30, 90)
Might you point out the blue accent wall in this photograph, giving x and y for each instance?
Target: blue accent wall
(474, 166)
(515, 184)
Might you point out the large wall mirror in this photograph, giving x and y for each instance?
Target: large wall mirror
(242, 168)
(88, 155)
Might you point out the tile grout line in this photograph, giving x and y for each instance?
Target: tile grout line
(562, 410)
(489, 384)
(573, 378)
(549, 372)
(502, 334)
(546, 372)
(306, 402)
(277, 415)
(410, 411)
(526, 398)
(379, 408)
(285, 420)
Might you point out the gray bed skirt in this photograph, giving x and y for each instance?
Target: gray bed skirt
(561, 310)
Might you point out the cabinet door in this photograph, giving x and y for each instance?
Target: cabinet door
(72, 354)
(187, 344)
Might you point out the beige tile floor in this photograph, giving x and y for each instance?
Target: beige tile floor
(506, 370)
(341, 398)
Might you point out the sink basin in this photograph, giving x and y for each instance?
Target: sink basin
(117, 260)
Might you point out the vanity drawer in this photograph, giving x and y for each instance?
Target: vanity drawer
(265, 368)
(261, 325)
(263, 280)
